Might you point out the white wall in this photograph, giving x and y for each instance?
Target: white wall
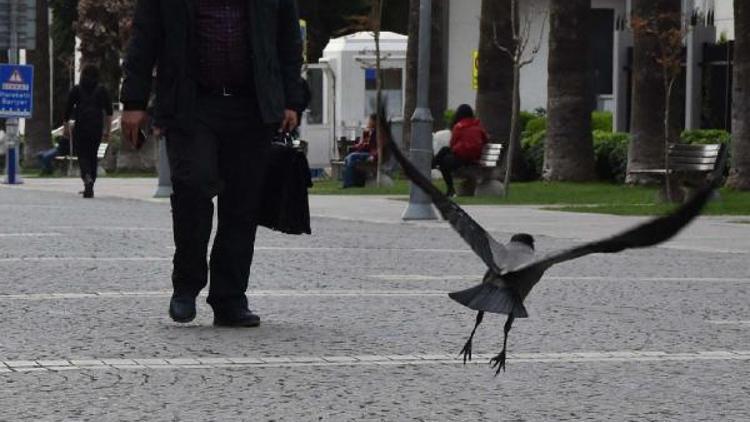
(463, 41)
(725, 18)
(463, 33)
(534, 76)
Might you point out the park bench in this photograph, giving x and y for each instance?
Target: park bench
(71, 159)
(689, 166)
(480, 178)
(368, 168)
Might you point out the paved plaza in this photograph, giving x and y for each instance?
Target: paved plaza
(357, 325)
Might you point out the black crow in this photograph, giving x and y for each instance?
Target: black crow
(514, 269)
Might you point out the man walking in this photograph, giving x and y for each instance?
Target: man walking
(227, 78)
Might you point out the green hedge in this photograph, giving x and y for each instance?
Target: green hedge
(611, 149)
(610, 152)
(602, 121)
(706, 136)
(532, 146)
(611, 155)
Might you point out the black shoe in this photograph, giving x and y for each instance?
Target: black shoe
(88, 190)
(243, 318)
(182, 308)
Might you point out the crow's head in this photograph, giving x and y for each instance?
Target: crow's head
(524, 238)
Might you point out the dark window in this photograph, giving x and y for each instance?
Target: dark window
(602, 44)
(315, 80)
(393, 85)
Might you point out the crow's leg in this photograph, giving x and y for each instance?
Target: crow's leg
(499, 360)
(466, 351)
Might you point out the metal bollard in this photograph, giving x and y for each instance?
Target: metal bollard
(12, 177)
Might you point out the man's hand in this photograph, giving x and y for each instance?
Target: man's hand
(290, 121)
(132, 122)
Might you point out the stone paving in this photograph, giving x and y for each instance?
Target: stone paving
(356, 322)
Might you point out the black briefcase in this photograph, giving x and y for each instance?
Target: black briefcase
(285, 206)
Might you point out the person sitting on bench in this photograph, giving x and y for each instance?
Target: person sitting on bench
(364, 150)
(467, 139)
(62, 147)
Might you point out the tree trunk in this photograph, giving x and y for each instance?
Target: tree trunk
(494, 101)
(100, 27)
(514, 146)
(646, 149)
(438, 63)
(739, 177)
(438, 73)
(38, 128)
(412, 66)
(63, 39)
(569, 150)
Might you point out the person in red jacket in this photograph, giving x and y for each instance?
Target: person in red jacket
(467, 140)
(366, 149)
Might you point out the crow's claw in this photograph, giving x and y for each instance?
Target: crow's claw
(466, 352)
(498, 362)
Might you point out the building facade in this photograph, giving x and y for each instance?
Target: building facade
(610, 47)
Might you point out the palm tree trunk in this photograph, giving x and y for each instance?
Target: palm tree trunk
(412, 55)
(494, 102)
(38, 128)
(514, 146)
(646, 149)
(63, 40)
(739, 177)
(569, 150)
(438, 66)
(667, 110)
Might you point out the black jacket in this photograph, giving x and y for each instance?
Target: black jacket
(88, 110)
(164, 36)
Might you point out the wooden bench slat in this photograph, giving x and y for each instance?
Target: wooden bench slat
(648, 171)
(693, 147)
(685, 159)
(490, 157)
(678, 155)
(692, 160)
(693, 167)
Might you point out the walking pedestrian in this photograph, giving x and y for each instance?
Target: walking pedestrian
(228, 77)
(90, 105)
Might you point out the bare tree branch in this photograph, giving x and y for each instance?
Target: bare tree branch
(496, 42)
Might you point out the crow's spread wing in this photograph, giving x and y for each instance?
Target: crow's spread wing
(651, 233)
(488, 249)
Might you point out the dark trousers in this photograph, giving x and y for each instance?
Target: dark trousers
(223, 154)
(86, 146)
(45, 159)
(447, 163)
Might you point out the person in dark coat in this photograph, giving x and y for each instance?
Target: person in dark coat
(90, 105)
(228, 77)
(468, 137)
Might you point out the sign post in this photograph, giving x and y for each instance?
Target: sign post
(420, 205)
(16, 82)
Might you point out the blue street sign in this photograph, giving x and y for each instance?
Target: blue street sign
(16, 91)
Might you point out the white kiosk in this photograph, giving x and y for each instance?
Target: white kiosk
(343, 91)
